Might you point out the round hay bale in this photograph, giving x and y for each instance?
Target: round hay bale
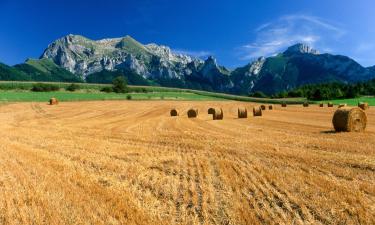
(257, 111)
(242, 113)
(363, 105)
(174, 112)
(283, 104)
(330, 104)
(53, 101)
(349, 119)
(305, 104)
(211, 111)
(192, 113)
(343, 105)
(270, 107)
(218, 114)
(321, 105)
(263, 107)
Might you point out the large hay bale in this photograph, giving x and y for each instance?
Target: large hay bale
(330, 104)
(192, 113)
(263, 107)
(218, 114)
(53, 101)
(283, 104)
(174, 112)
(342, 105)
(211, 111)
(270, 107)
(257, 111)
(305, 104)
(349, 119)
(321, 105)
(242, 112)
(363, 105)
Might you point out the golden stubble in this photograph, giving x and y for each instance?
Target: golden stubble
(128, 162)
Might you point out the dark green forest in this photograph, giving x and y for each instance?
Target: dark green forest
(326, 91)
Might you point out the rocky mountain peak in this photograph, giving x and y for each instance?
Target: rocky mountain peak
(300, 49)
(298, 65)
(211, 61)
(81, 55)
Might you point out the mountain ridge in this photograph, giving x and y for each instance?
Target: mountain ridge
(79, 58)
(297, 65)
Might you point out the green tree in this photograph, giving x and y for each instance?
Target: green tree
(317, 95)
(73, 87)
(119, 85)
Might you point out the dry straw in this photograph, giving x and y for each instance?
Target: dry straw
(218, 114)
(263, 107)
(363, 105)
(174, 112)
(242, 112)
(257, 111)
(53, 101)
(211, 111)
(192, 113)
(270, 107)
(343, 105)
(349, 119)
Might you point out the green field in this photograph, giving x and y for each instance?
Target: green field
(352, 101)
(11, 91)
(27, 96)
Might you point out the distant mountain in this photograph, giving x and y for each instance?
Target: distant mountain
(157, 64)
(37, 70)
(297, 66)
(81, 55)
(46, 70)
(372, 69)
(11, 73)
(74, 58)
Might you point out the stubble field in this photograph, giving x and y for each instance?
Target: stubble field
(128, 162)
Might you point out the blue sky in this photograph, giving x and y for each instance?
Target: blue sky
(235, 32)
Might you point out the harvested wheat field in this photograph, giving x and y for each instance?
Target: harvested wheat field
(127, 162)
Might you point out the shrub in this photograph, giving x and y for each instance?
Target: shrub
(129, 97)
(258, 94)
(73, 87)
(106, 89)
(43, 87)
(119, 85)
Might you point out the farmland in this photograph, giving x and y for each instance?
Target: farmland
(16, 91)
(27, 96)
(129, 162)
(353, 101)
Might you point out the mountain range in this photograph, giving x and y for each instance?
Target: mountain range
(75, 58)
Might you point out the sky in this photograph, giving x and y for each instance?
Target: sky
(234, 32)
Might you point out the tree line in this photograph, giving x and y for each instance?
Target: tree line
(326, 91)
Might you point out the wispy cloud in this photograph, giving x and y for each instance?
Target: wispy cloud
(273, 37)
(197, 54)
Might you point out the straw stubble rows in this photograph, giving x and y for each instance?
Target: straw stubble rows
(131, 163)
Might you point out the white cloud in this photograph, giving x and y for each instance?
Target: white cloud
(198, 54)
(275, 36)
